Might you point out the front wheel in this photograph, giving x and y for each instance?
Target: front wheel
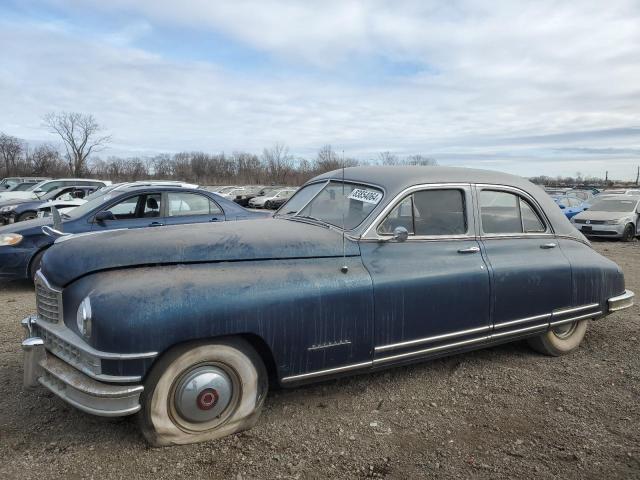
(560, 340)
(629, 233)
(203, 391)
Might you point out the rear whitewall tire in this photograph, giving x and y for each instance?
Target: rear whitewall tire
(560, 340)
(160, 421)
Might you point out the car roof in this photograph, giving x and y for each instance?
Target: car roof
(395, 179)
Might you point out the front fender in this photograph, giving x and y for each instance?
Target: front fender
(310, 314)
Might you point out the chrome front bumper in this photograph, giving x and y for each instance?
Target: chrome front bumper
(621, 301)
(74, 387)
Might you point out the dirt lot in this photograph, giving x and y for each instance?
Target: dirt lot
(501, 413)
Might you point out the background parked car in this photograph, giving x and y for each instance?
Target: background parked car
(20, 210)
(259, 192)
(9, 182)
(263, 201)
(21, 187)
(570, 205)
(48, 185)
(615, 216)
(126, 206)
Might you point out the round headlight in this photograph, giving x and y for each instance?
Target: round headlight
(83, 317)
(10, 239)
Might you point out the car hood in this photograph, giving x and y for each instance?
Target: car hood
(17, 196)
(262, 239)
(15, 201)
(600, 216)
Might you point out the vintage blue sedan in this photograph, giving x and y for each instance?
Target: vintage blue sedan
(362, 269)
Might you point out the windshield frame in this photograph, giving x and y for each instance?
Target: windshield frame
(325, 182)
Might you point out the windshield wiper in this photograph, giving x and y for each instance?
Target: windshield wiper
(310, 219)
(65, 215)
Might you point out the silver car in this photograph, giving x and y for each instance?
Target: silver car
(615, 216)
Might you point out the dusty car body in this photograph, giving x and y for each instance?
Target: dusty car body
(389, 266)
(611, 216)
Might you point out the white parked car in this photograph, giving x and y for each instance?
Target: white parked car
(46, 186)
(259, 202)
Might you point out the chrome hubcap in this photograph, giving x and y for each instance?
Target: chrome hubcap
(203, 394)
(564, 331)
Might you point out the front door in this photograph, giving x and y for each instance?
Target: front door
(530, 276)
(431, 292)
(136, 211)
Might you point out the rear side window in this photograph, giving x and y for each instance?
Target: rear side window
(428, 213)
(504, 212)
(190, 204)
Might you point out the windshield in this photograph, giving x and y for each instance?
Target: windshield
(341, 205)
(93, 201)
(611, 205)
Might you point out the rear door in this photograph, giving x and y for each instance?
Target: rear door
(189, 207)
(530, 276)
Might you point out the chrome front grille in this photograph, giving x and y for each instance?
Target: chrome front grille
(48, 300)
(590, 222)
(69, 353)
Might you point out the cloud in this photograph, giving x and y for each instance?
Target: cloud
(519, 84)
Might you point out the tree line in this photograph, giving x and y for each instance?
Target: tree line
(82, 138)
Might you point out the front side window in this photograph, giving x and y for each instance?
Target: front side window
(508, 213)
(126, 209)
(190, 204)
(434, 212)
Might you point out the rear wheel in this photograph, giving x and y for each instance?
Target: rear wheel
(203, 391)
(560, 340)
(267, 205)
(629, 233)
(26, 216)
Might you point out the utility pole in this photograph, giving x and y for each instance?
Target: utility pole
(606, 176)
(638, 175)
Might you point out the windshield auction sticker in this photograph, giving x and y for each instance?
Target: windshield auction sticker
(364, 195)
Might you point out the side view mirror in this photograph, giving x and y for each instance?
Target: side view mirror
(562, 207)
(103, 216)
(400, 234)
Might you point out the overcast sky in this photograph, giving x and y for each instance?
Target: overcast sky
(537, 87)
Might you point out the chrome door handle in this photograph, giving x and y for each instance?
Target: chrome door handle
(469, 250)
(548, 245)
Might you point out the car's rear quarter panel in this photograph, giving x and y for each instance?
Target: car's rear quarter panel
(594, 277)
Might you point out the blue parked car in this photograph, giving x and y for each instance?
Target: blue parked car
(362, 269)
(124, 206)
(570, 205)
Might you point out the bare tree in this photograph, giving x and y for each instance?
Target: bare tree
(278, 162)
(45, 160)
(10, 151)
(81, 136)
(388, 158)
(420, 160)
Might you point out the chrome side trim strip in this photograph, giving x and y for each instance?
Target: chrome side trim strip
(61, 331)
(544, 316)
(575, 319)
(564, 311)
(520, 330)
(428, 350)
(328, 371)
(435, 338)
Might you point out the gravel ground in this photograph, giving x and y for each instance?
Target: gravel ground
(504, 412)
